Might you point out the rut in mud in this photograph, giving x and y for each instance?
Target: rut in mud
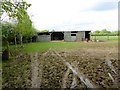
(83, 73)
(36, 71)
(63, 69)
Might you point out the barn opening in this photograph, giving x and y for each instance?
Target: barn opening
(57, 36)
(73, 34)
(87, 35)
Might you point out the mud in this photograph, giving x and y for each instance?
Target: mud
(80, 68)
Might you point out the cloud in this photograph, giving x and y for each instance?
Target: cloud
(103, 6)
(74, 14)
(67, 27)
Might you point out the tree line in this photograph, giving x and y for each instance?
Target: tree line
(22, 29)
(10, 34)
(19, 28)
(104, 32)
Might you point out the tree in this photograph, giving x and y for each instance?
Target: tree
(8, 32)
(115, 33)
(18, 10)
(24, 27)
(44, 31)
(97, 32)
(30, 34)
(7, 37)
(105, 32)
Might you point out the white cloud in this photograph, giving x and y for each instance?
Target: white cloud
(71, 14)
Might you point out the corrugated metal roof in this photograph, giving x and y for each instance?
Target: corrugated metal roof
(71, 31)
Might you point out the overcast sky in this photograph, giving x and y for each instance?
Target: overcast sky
(74, 14)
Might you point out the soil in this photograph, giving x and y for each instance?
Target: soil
(73, 68)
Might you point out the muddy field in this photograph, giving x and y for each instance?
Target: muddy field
(73, 68)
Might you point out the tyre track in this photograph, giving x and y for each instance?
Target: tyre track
(35, 71)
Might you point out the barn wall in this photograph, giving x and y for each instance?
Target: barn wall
(73, 38)
(80, 35)
(44, 38)
(67, 36)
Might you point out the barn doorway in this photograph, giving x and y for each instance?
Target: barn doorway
(87, 35)
(57, 36)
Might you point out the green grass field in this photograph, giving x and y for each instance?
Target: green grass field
(43, 46)
(105, 37)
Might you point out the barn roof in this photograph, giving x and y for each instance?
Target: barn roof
(47, 33)
(71, 31)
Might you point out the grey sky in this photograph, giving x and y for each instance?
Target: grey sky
(104, 6)
(74, 14)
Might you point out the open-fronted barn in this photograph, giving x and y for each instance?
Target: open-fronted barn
(64, 35)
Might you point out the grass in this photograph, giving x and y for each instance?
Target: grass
(105, 37)
(43, 46)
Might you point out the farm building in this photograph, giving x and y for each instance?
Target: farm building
(64, 35)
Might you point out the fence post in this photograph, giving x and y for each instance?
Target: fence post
(95, 38)
(107, 37)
